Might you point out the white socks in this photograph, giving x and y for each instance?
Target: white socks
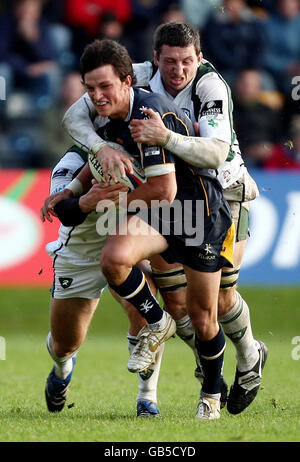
(185, 330)
(236, 325)
(148, 379)
(62, 366)
(161, 324)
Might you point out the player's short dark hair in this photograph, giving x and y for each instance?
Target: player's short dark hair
(106, 51)
(176, 34)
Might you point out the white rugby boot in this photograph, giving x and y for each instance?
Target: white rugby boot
(208, 408)
(143, 354)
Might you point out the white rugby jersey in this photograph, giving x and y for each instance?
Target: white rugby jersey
(215, 116)
(82, 240)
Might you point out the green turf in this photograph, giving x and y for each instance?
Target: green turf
(102, 394)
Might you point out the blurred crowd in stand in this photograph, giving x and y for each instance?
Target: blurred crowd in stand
(255, 45)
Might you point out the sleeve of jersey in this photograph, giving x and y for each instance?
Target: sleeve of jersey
(215, 117)
(68, 211)
(143, 73)
(78, 123)
(64, 172)
(158, 160)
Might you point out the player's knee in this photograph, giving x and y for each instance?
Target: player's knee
(203, 321)
(112, 260)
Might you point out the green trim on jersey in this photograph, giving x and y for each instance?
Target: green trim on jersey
(203, 69)
(84, 155)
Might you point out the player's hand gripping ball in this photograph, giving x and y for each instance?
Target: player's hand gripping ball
(132, 181)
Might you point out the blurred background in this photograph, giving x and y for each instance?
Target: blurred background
(254, 44)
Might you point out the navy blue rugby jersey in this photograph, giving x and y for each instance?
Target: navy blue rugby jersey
(154, 159)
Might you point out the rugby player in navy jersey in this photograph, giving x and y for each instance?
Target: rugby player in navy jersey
(108, 76)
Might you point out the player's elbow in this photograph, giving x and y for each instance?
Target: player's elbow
(219, 153)
(165, 188)
(66, 120)
(167, 194)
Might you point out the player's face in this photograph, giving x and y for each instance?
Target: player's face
(178, 66)
(110, 96)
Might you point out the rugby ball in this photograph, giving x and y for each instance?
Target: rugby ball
(132, 180)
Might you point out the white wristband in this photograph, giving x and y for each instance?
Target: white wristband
(98, 146)
(76, 187)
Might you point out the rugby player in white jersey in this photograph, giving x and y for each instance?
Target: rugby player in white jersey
(78, 285)
(180, 73)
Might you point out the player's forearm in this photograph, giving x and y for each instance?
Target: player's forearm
(77, 122)
(198, 151)
(159, 188)
(69, 212)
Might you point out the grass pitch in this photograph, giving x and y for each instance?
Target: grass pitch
(101, 403)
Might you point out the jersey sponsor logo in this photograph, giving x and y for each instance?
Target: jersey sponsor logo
(212, 108)
(65, 282)
(60, 172)
(59, 189)
(152, 151)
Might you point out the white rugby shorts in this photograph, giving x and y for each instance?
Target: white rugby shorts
(76, 278)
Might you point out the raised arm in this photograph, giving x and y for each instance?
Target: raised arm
(201, 152)
(78, 122)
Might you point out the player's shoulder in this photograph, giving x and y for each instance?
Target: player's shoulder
(159, 103)
(147, 98)
(208, 77)
(70, 162)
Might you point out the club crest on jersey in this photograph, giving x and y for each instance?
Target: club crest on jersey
(212, 108)
(142, 110)
(65, 282)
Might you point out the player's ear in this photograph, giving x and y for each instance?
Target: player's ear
(155, 58)
(128, 81)
(199, 57)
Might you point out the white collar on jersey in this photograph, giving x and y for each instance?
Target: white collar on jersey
(131, 100)
(157, 86)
